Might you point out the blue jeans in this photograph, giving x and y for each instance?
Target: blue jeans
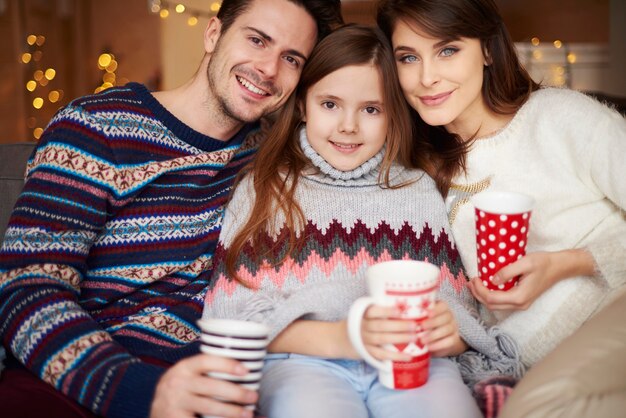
(297, 386)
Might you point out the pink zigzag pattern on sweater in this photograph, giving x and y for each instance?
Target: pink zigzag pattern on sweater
(301, 271)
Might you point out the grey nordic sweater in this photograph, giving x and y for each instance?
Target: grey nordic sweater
(352, 222)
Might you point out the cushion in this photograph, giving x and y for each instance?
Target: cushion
(13, 158)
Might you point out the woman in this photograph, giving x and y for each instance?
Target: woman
(490, 127)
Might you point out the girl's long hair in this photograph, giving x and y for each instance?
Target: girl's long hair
(506, 84)
(279, 161)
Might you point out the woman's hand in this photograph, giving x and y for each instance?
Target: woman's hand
(441, 332)
(185, 390)
(538, 272)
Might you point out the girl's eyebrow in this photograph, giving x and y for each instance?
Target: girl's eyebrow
(338, 99)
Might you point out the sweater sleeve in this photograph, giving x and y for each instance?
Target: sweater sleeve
(273, 306)
(43, 262)
(491, 352)
(608, 171)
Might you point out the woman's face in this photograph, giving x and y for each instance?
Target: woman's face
(441, 80)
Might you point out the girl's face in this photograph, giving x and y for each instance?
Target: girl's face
(441, 80)
(345, 116)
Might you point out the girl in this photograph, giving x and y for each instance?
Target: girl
(327, 196)
(491, 127)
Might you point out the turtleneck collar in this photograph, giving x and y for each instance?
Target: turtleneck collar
(367, 172)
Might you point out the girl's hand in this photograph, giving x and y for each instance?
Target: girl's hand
(441, 332)
(378, 328)
(538, 272)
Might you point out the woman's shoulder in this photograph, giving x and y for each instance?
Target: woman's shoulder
(564, 109)
(562, 99)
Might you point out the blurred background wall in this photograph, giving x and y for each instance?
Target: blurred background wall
(52, 51)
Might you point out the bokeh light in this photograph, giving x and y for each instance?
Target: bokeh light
(54, 96)
(50, 73)
(104, 60)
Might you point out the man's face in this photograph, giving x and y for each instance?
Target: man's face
(256, 64)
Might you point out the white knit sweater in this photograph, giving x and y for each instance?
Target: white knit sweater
(568, 152)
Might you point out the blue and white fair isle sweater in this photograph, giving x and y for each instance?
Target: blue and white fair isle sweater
(108, 251)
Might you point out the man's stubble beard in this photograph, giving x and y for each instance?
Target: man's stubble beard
(220, 105)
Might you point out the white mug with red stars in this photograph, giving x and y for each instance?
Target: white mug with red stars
(502, 222)
(412, 287)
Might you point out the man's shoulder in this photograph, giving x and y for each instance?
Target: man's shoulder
(123, 97)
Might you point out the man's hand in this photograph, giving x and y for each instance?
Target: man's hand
(185, 390)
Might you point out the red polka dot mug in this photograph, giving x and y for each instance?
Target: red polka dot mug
(502, 221)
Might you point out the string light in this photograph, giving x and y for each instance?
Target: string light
(50, 73)
(54, 96)
(38, 80)
(571, 58)
(558, 74)
(163, 7)
(108, 64)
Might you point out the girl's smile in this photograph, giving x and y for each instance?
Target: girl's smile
(345, 117)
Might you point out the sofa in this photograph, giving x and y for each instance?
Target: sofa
(584, 377)
(13, 159)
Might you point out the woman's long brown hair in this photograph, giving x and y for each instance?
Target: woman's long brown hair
(279, 160)
(506, 84)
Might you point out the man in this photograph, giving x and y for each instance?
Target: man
(108, 252)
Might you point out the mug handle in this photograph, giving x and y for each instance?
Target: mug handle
(355, 319)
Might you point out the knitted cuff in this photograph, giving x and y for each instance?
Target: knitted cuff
(609, 256)
(134, 392)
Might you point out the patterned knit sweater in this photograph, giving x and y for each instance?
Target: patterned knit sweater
(108, 250)
(351, 223)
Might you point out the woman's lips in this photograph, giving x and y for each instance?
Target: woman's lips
(436, 99)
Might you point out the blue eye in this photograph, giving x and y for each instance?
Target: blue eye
(449, 51)
(406, 59)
